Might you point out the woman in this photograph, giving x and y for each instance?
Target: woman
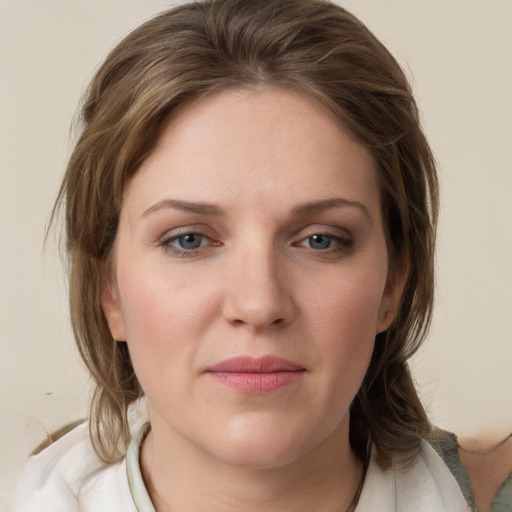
(250, 216)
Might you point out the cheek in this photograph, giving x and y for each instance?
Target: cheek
(165, 320)
(343, 322)
(159, 297)
(348, 303)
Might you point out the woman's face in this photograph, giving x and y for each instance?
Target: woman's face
(250, 278)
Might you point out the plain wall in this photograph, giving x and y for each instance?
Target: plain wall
(459, 57)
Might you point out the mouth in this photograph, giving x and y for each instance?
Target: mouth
(256, 375)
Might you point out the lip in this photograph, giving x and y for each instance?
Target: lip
(256, 374)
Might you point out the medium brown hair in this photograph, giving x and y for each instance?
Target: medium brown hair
(312, 46)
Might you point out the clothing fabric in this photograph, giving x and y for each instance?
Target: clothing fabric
(446, 445)
(68, 476)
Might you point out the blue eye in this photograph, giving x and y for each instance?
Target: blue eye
(327, 244)
(319, 242)
(189, 242)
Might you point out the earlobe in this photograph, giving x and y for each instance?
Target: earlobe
(384, 321)
(392, 296)
(113, 312)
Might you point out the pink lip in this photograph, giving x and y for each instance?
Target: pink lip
(256, 375)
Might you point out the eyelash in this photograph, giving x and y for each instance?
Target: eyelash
(184, 253)
(341, 244)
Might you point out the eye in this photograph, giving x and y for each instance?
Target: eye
(189, 242)
(318, 242)
(327, 243)
(186, 244)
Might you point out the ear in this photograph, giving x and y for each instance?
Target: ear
(113, 312)
(391, 298)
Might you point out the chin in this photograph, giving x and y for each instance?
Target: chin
(255, 456)
(259, 446)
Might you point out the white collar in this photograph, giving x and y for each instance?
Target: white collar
(425, 486)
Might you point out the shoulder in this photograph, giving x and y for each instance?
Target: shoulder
(69, 476)
(482, 466)
(56, 473)
(423, 486)
(430, 481)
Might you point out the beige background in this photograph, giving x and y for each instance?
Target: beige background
(459, 56)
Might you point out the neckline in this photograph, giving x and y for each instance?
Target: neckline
(138, 489)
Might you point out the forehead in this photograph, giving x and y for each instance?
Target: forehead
(263, 142)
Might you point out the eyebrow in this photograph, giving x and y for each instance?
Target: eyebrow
(314, 207)
(185, 206)
(208, 209)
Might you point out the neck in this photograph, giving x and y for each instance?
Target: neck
(183, 478)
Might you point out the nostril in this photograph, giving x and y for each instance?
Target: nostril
(257, 303)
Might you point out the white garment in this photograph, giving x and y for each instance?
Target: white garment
(68, 476)
(426, 486)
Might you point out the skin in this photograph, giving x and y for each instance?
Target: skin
(488, 461)
(275, 171)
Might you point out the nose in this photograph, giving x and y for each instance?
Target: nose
(258, 291)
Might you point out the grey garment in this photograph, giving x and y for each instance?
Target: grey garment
(503, 500)
(445, 444)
